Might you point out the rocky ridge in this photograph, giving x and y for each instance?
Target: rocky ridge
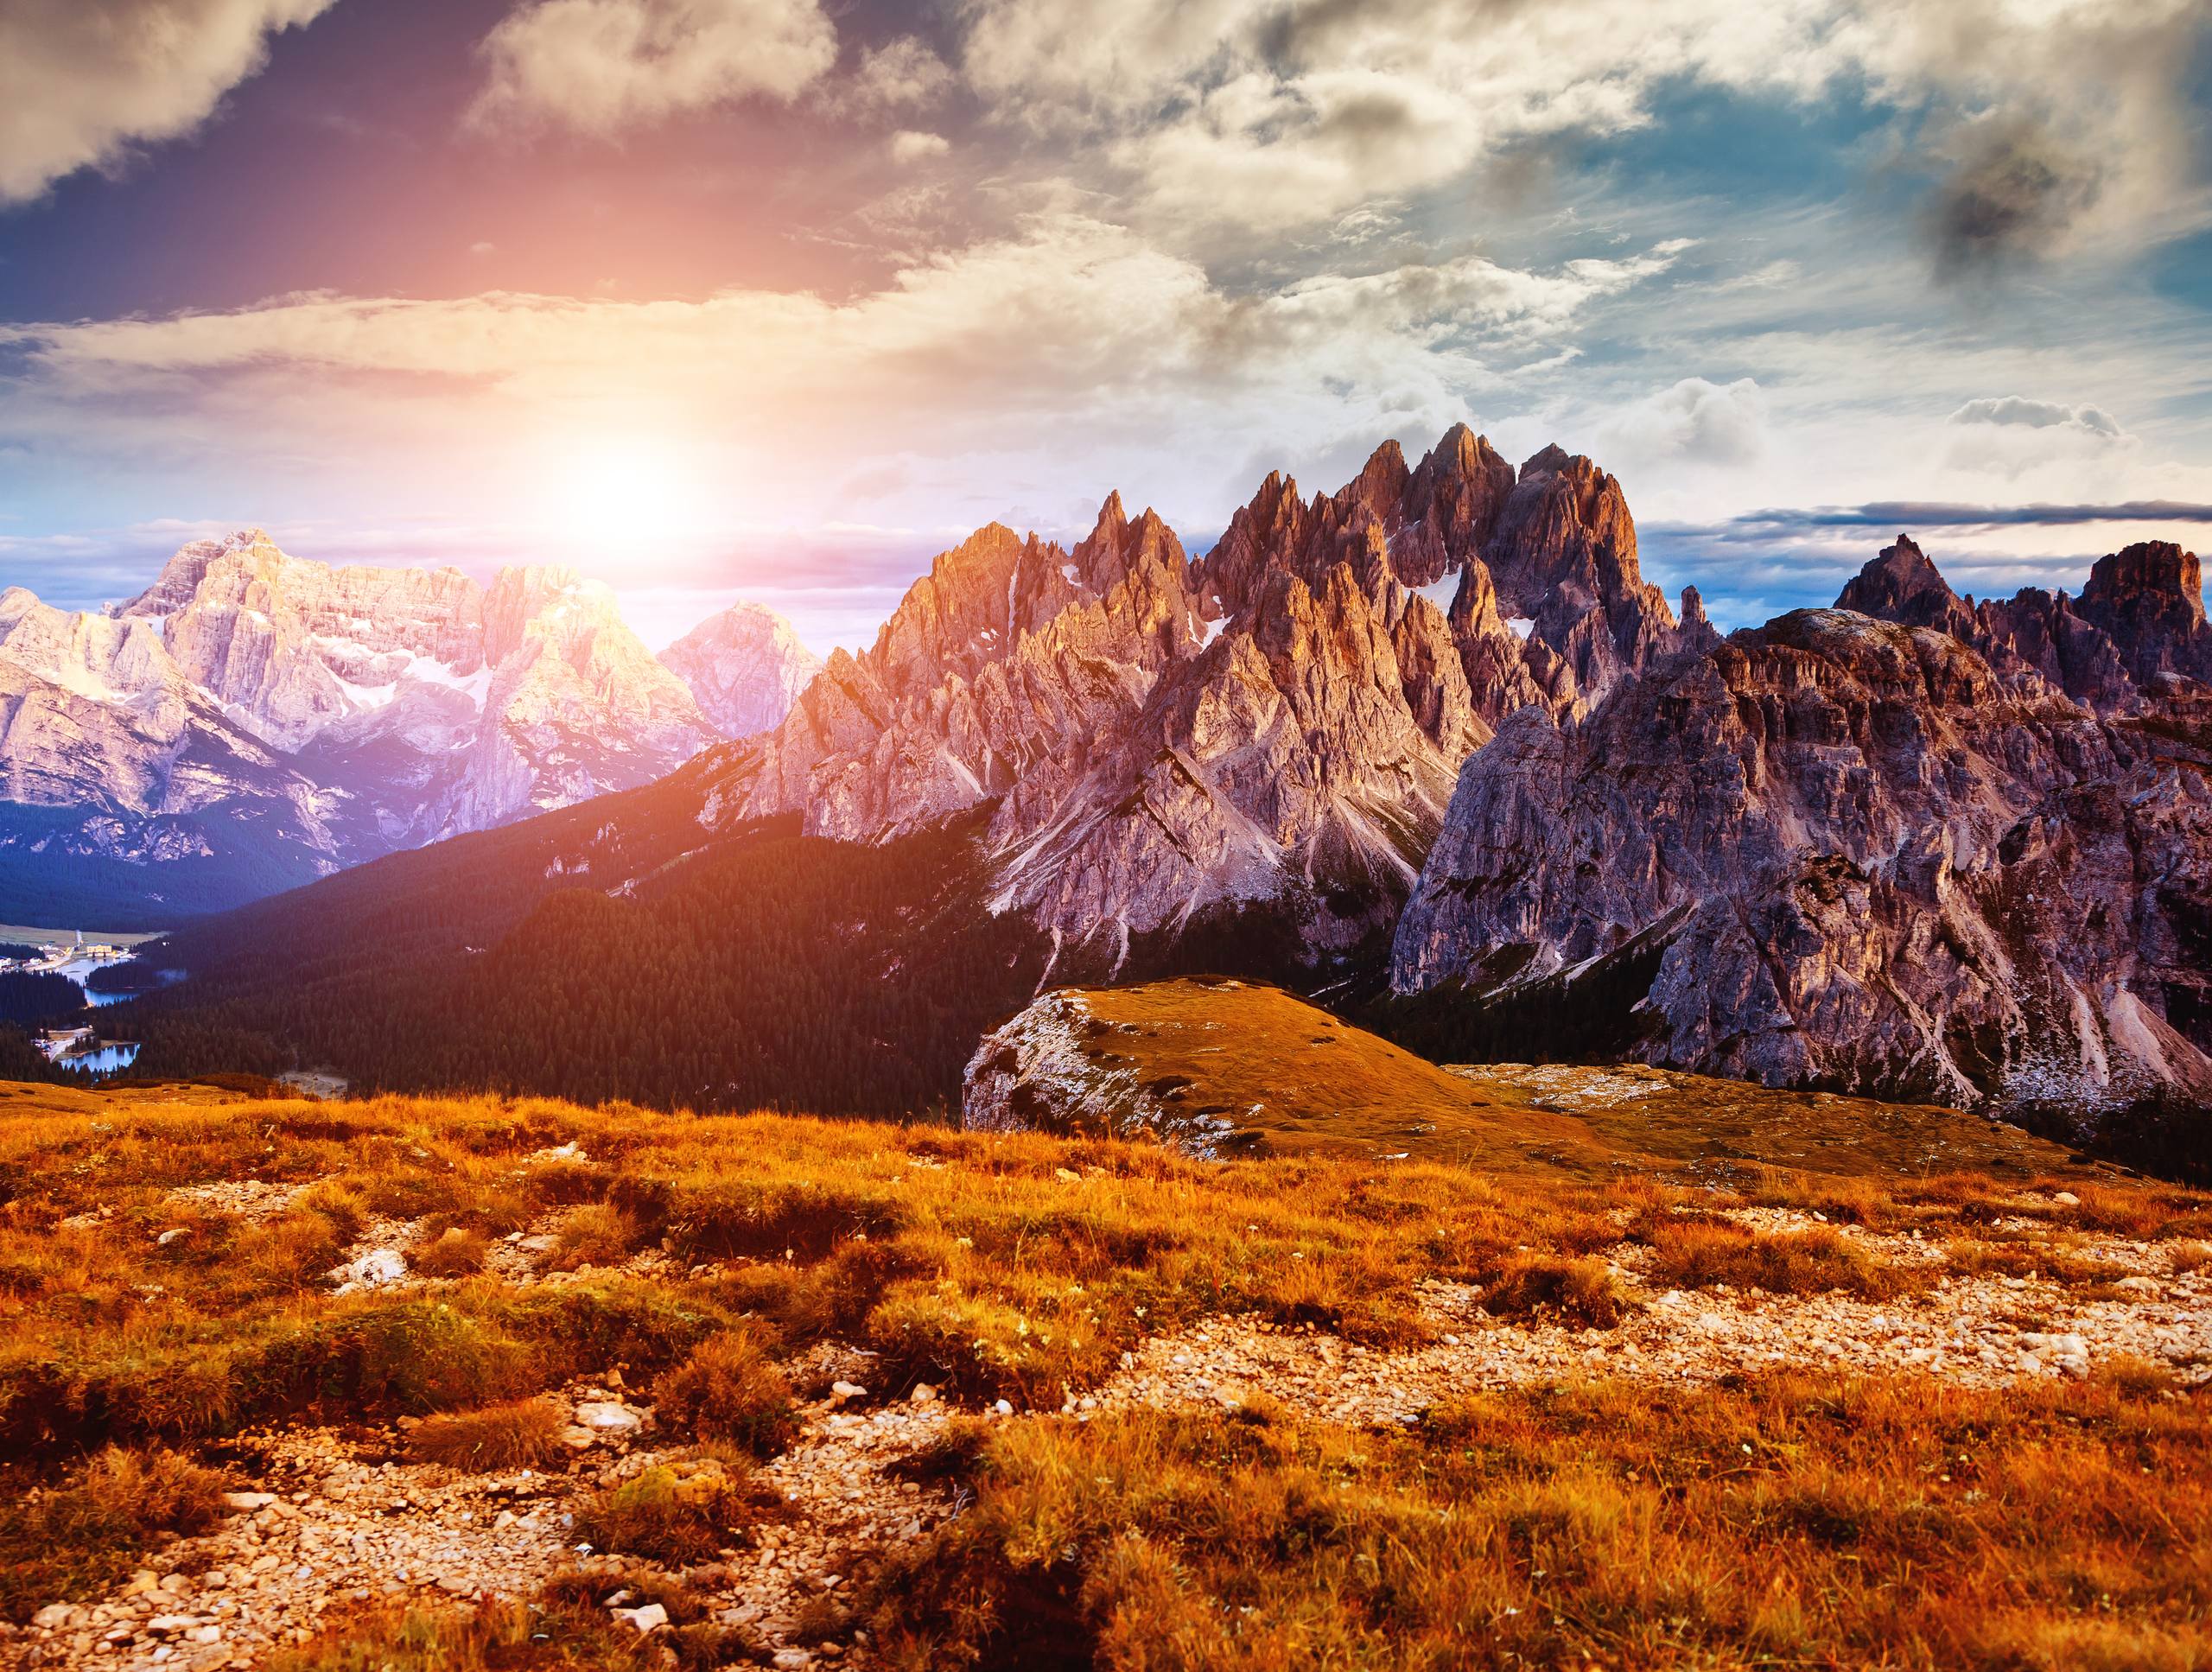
(745, 667)
(1277, 723)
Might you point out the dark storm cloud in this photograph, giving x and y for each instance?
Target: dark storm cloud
(2016, 197)
(1924, 513)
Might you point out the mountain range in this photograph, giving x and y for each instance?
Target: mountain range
(1429, 746)
(252, 721)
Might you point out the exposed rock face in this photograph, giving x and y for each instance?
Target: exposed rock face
(2150, 600)
(1856, 855)
(745, 667)
(1280, 721)
(253, 720)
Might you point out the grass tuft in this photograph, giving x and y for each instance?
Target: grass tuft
(523, 1433)
(730, 1390)
(70, 1540)
(677, 1513)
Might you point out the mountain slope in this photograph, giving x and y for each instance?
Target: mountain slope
(1276, 725)
(1937, 857)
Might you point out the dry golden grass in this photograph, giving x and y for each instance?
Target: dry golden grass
(1791, 1523)
(569, 1636)
(72, 1537)
(1786, 1522)
(1581, 1294)
(1292, 1078)
(523, 1433)
(679, 1513)
(455, 1251)
(1699, 1252)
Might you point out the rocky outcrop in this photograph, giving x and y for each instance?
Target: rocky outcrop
(1846, 852)
(745, 668)
(253, 720)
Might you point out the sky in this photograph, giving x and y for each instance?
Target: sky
(776, 298)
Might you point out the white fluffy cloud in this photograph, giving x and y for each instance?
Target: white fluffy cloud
(2040, 415)
(900, 74)
(603, 66)
(1694, 422)
(81, 80)
(2009, 435)
(909, 146)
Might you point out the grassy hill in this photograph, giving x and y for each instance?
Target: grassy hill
(530, 1385)
(1289, 1078)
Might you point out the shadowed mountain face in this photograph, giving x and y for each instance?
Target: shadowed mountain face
(1916, 843)
(1432, 733)
(253, 721)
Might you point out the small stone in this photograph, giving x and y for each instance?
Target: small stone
(847, 1390)
(789, 1660)
(173, 1234)
(1004, 1407)
(54, 1615)
(375, 1269)
(578, 1439)
(923, 1393)
(2138, 1285)
(1067, 1176)
(2065, 1198)
(651, 1618)
(608, 1416)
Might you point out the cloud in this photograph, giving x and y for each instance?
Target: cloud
(1693, 422)
(2040, 415)
(907, 146)
(983, 361)
(902, 74)
(2009, 435)
(2017, 196)
(82, 80)
(603, 66)
(2043, 122)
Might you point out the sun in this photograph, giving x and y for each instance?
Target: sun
(626, 496)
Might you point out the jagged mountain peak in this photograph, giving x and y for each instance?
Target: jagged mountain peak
(1903, 584)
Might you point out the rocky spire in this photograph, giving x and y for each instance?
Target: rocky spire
(1902, 585)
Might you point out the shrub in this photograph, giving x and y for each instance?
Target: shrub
(1577, 1291)
(454, 1253)
(674, 1513)
(1705, 1254)
(596, 1234)
(498, 1637)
